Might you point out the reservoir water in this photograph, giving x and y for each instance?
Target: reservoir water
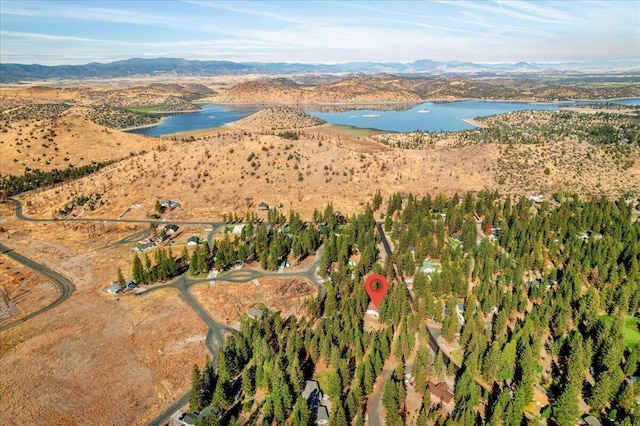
(428, 116)
(212, 115)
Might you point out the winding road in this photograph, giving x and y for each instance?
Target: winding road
(64, 285)
(215, 334)
(373, 408)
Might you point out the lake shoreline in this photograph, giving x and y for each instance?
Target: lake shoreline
(421, 101)
(473, 122)
(143, 126)
(443, 117)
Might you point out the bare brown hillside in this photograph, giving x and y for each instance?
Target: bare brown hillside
(179, 95)
(236, 170)
(278, 117)
(59, 143)
(351, 89)
(388, 88)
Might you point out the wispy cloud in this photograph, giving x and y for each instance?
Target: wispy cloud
(51, 37)
(265, 10)
(315, 31)
(82, 13)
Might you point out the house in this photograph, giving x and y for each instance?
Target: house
(409, 379)
(460, 313)
(114, 288)
(169, 204)
(190, 419)
(536, 198)
(237, 229)
(372, 310)
(322, 415)
(263, 206)
(312, 393)
(592, 421)
(254, 312)
(441, 393)
(210, 411)
(144, 246)
(171, 229)
(427, 267)
(193, 241)
(282, 266)
(540, 396)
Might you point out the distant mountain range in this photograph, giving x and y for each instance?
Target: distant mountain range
(174, 66)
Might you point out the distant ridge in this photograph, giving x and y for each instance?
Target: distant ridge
(12, 73)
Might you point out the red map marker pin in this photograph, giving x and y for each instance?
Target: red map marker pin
(376, 286)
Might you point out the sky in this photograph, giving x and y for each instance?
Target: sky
(79, 32)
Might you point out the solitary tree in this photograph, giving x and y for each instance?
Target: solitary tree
(121, 282)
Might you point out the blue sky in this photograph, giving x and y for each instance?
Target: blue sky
(78, 32)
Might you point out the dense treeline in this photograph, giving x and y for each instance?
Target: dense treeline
(36, 178)
(277, 355)
(558, 283)
(535, 298)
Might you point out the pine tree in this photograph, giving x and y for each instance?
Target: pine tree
(338, 416)
(301, 413)
(121, 281)
(195, 396)
(138, 270)
(565, 409)
(450, 324)
(249, 381)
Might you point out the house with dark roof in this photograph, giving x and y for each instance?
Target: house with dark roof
(190, 419)
(193, 241)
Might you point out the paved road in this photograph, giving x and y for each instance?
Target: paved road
(385, 242)
(213, 341)
(374, 404)
(63, 284)
(20, 215)
(215, 334)
(434, 335)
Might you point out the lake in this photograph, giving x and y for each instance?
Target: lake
(212, 115)
(428, 116)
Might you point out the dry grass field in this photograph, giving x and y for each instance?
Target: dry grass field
(61, 142)
(97, 358)
(226, 302)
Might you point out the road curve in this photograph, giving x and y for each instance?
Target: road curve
(213, 341)
(215, 334)
(20, 215)
(64, 285)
